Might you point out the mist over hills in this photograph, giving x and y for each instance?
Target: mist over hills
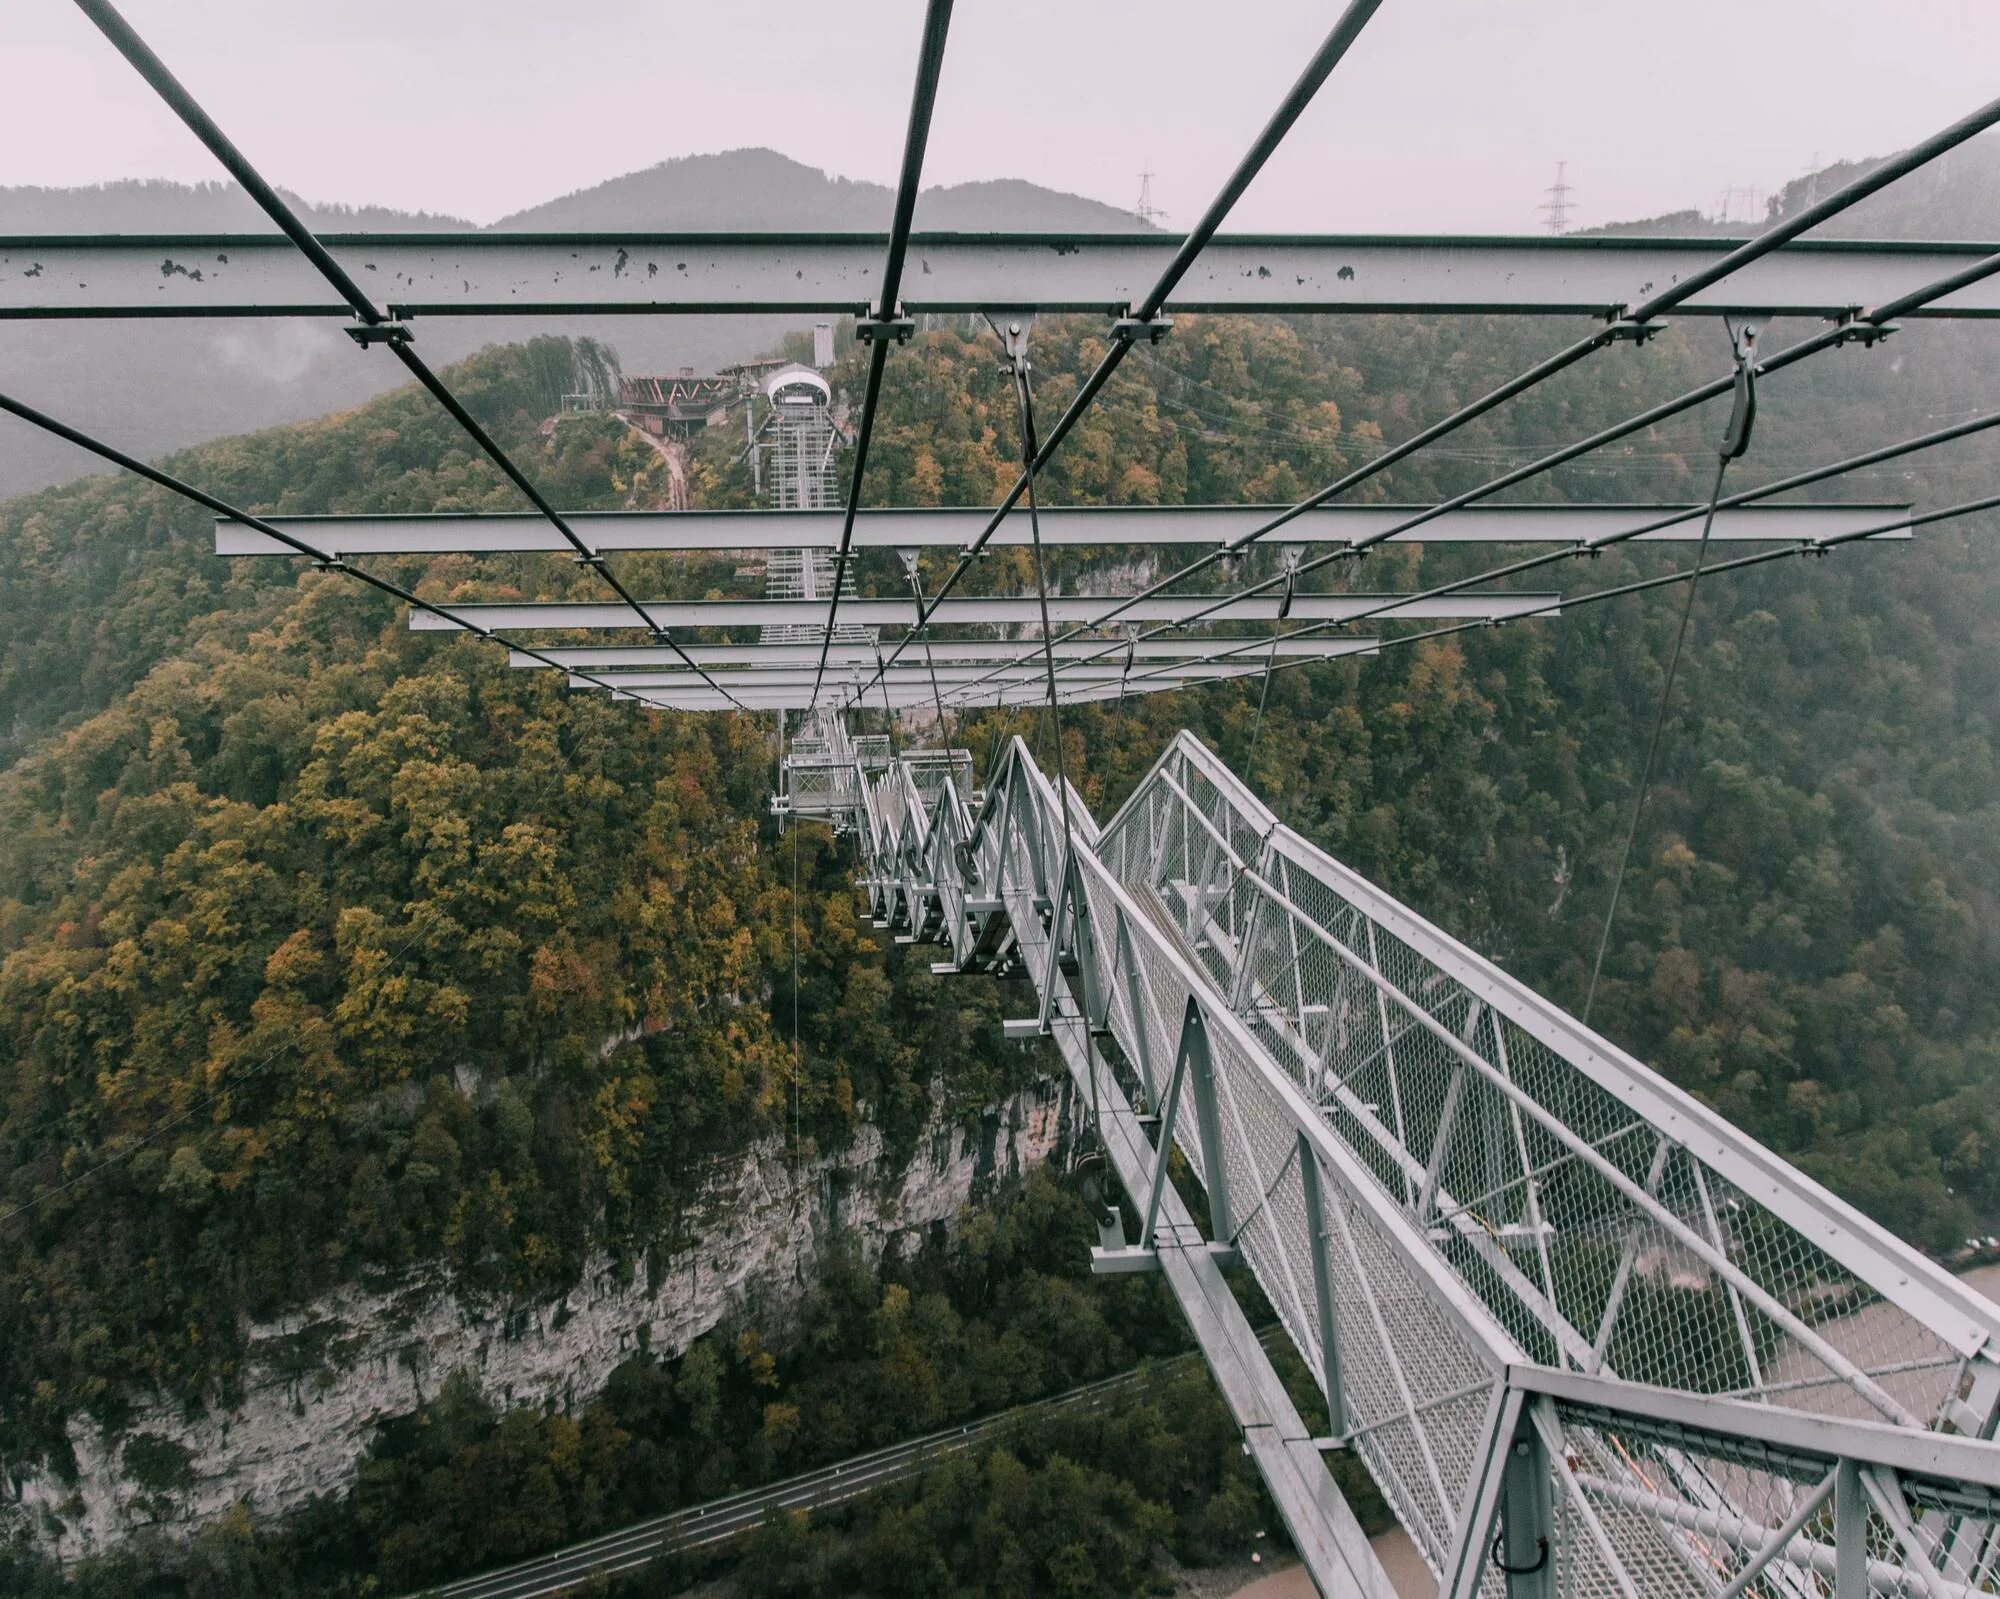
(157, 386)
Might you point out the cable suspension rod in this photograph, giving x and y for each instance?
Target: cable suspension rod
(1576, 602)
(1876, 320)
(1325, 59)
(188, 491)
(183, 104)
(885, 326)
(1633, 325)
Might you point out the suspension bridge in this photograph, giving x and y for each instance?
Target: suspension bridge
(1587, 1336)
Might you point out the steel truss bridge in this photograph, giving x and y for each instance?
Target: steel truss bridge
(1586, 1336)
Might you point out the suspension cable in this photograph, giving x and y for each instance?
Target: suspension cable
(1015, 342)
(1637, 325)
(1869, 327)
(798, 1141)
(1144, 320)
(377, 327)
(1652, 746)
(1819, 474)
(321, 559)
(887, 324)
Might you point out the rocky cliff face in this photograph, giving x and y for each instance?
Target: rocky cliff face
(321, 1380)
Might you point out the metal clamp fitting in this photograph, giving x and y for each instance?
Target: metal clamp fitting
(1857, 329)
(875, 326)
(1129, 329)
(367, 333)
(1622, 329)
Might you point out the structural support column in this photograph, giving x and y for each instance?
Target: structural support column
(1525, 1546)
(1329, 1325)
(1208, 1124)
(1850, 1533)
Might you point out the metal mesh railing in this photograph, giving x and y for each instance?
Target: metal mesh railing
(1590, 1231)
(1497, 1190)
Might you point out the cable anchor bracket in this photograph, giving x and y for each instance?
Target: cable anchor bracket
(1855, 328)
(875, 325)
(1621, 329)
(1130, 329)
(367, 334)
(1743, 407)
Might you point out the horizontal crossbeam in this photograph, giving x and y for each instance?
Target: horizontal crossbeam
(904, 696)
(1009, 610)
(511, 274)
(920, 677)
(942, 652)
(957, 526)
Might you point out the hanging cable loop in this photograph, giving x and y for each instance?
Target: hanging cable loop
(1734, 442)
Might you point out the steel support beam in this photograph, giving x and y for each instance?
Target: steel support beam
(983, 610)
(1525, 1547)
(542, 275)
(1324, 1305)
(912, 677)
(609, 532)
(853, 693)
(939, 652)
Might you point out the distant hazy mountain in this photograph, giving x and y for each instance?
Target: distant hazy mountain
(1955, 197)
(153, 205)
(761, 189)
(155, 386)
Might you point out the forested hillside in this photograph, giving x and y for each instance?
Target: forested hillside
(313, 932)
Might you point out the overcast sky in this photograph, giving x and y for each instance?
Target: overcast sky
(1449, 114)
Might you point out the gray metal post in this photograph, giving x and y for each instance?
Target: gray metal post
(1169, 1114)
(1208, 1123)
(1137, 1002)
(1850, 1534)
(1525, 1546)
(1329, 1326)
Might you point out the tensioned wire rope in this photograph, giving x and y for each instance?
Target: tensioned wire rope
(1144, 318)
(375, 326)
(916, 137)
(1735, 441)
(1637, 323)
(1868, 326)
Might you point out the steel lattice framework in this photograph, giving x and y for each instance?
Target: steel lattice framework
(1575, 1323)
(1587, 1337)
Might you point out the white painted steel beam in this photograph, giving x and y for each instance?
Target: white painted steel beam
(956, 526)
(502, 274)
(908, 696)
(1014, 610)
(942, 652)
(917, 676)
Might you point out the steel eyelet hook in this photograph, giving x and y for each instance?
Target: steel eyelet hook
(1743, 408)
(1500, 1560)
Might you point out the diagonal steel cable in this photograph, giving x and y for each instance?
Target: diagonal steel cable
(1869, 326)
(1564, 606)
(1634, 323)
(329, 562)
(377, 327)
(1143, 317)
(916, 138)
